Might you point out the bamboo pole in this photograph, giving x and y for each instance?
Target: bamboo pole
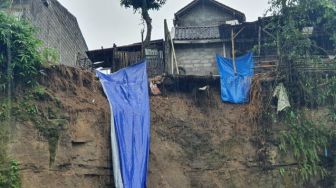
(171, 61)
(224, 49)
(278, 44)
(259, 41)
(142, 44)
(173, 54)
(233, 52)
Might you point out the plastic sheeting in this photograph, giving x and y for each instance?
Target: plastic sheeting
(114, 143)
(235, 88)
(127, 91)
(280, 92)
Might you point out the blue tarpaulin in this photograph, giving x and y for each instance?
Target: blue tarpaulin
(235, 88)
(127, 92)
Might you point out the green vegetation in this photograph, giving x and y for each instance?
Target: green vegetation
(47, 118)
(19, 55)
(21, 60)
(5, 4)
(50, 56)
(144, 6)
(9, 177)
(305, 138)
(9, 169)
(20, 52)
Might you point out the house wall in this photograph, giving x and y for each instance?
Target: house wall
(204, 15)
(199, 59)
(57, 28)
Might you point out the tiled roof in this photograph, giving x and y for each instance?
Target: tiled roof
(197, 33)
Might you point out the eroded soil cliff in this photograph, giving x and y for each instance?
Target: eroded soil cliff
(82, 152)
(195, 141)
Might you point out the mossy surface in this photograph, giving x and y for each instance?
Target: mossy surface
(39, 107)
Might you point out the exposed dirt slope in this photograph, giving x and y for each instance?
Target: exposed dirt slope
(195, 142)
(203, 142)
(82, 151)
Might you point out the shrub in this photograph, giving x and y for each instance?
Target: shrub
(19, 55)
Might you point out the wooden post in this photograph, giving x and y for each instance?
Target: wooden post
(259, 41)
(233, 52)
(224, 49)
(278, 44)
(169, 41)
(142, 44)
(114, 58)
(171, 60)
(174, 54)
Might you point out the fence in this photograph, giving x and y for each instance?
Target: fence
(122, 59)
(154, 57)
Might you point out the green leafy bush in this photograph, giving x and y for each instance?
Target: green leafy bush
(306, 141)
(5, 4)
(20, 59)
(305, 138)
(9, 176)
(50, 56)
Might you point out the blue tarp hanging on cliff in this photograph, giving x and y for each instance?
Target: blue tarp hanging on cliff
(235, 88)
(127, 92)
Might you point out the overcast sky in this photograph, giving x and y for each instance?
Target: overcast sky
(104, 22)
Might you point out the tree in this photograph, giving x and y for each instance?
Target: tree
(290, 21)
(291, 16)
(5, 4)
(144, 6)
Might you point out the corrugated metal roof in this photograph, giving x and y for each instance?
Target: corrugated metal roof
(197, 33)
